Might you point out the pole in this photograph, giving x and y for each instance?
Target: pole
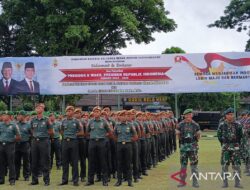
(63, 103)
(118, 102)
(235, 105)
(176, 105)
(10, 103)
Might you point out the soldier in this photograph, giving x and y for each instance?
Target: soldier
(188, 132)
(23, 147)
(143, 162)
(40, 147)
(71, 128)
(55, 142)
(81, 144)
(229, 134)
(245, 142)
(9, 133)
(125, 135)
(112, 151)
(98, 130)
(135, 145)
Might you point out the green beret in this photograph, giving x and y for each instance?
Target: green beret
(187, 111)
(7, 113)
(229, 110)
(22, 112)
(33, 113)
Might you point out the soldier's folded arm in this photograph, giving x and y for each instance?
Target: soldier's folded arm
(18, 136)
(81, 132)
(134, 133)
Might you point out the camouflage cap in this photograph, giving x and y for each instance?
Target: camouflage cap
(187, 111)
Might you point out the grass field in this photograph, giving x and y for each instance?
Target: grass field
(159, 178)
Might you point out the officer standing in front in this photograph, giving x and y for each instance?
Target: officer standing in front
(125, 134)
(230, 134)
(23, 147)
(188, 132)
(9, 133)
(71, 129)
(40, 146)
(98, 130)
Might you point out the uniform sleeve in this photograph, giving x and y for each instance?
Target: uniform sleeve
(88, 129)
(17, 130)
(133, 131)
(239, 132)
(115, 131)
(219, 132)
(79, 126)
(49, 125)
(106, 125)
(31, 124)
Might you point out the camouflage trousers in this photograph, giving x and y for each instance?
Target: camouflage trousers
(233, 157)
(192, 156)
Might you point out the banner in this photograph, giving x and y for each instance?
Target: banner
(126, 74)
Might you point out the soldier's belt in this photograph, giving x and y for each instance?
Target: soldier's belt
(96, 140)
(40, 138)
(69, 139)
(124, 142)
(187, 141)
(6, 143)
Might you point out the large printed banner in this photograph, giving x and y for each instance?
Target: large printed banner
(125, 74)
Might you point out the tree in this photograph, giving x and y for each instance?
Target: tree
(78, 27)
(236, 16)
(173, 50)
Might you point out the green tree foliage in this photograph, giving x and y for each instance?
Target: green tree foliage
(173, 50)
(236, 16)
(3, 106)
(78, 27)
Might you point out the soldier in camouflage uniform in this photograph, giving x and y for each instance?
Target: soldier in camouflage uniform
(230, 134)
(245, 142)
(188, 132)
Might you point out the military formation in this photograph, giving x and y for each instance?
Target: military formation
(234, 137)
(122, 145)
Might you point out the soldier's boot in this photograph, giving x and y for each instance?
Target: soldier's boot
(237, 177)
(225, 184)
(194, 171)
(248, 167)
(183, 176)
(130, 184)
(118, 183)
(237, 183)
(225, 176)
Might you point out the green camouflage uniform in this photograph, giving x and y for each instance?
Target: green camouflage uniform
(245, 144)
(229, 135)
(188, 147)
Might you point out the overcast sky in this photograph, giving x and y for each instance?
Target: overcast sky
(192, 33)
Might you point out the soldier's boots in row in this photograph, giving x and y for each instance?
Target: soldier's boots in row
(237, 184)
(119, 183)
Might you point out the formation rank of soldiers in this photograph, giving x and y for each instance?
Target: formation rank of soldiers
(122, 145)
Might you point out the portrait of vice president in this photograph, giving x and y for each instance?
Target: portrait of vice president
(8, 85)
(28, 85)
